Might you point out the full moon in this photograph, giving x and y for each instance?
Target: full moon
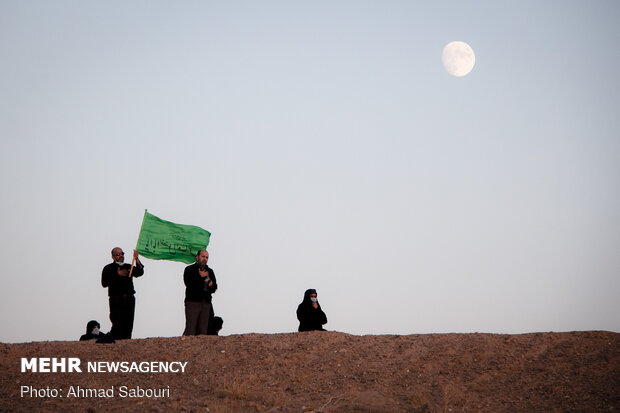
(458, 58)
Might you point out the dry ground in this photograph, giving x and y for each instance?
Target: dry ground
(336, 372)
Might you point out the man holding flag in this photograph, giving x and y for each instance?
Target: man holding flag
(200, 283)
(117, 277)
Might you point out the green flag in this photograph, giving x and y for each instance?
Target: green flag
(164, 240)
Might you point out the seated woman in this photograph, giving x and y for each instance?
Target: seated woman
(309, 313)
(92, 331)
(215, 325)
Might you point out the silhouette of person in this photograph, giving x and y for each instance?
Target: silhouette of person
(115, 276)
(309, 313)
(200, 283)
(215, 325)
(92, 331)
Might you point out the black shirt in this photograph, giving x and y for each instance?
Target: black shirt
(196, 289)
(116, 284)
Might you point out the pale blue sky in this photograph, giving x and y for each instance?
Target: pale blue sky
(324, 146)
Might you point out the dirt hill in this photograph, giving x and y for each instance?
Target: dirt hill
(328, 372)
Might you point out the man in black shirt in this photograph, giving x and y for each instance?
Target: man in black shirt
(200, 283)
(115, 276)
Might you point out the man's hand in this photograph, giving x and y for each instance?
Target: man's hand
(122, 272)
(136, 256)
(204, 274)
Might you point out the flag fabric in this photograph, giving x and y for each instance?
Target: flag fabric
(164, 240)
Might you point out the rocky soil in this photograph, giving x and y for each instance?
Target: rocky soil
(332, 372)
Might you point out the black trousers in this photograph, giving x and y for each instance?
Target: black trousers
(196, 317)
(122, 309)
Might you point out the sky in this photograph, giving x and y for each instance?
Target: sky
(324, 146)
